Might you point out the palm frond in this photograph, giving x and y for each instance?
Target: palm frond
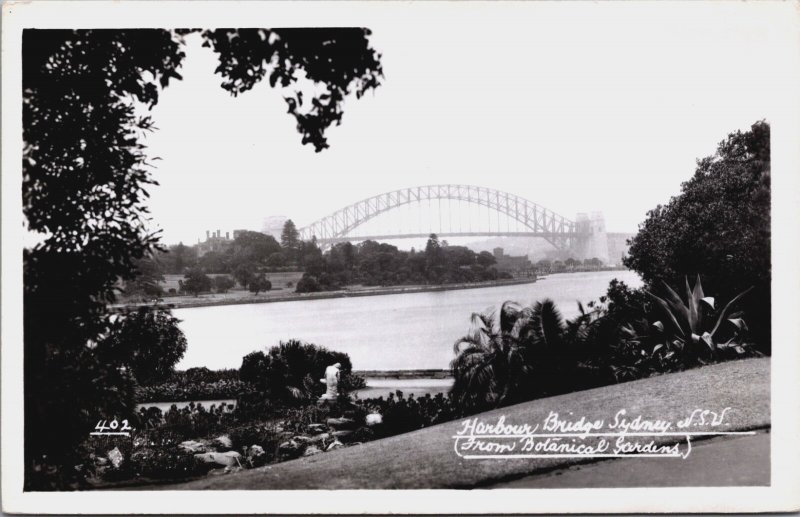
(509, 313)
(548, 323)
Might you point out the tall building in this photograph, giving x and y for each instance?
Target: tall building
(596, 244)
(273, 225)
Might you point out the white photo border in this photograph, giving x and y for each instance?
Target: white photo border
(785, 127)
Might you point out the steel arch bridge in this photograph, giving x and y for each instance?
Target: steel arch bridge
(538, 221)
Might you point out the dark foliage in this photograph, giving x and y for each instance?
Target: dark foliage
(195, 282)
(84, 189)
(148, 342)
(308, 284)
(340, 59)
(248, 253)
(402, 414)
(718, 227)
(176, 259)
(181, 391)
(145, 285)
(259, 283)
(524, 353)
(223, 283)
(244, 274)
(291, 371)
(373, 263)
(290, 239)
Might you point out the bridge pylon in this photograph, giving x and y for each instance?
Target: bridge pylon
(593, 240)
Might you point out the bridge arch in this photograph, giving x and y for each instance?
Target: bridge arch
(539, 221)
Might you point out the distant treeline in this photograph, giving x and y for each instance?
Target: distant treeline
(251, 255)
(373, 263)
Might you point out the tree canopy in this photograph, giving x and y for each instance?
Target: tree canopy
(376, 263)
(85, 183)
(717, 227)
(148, 342)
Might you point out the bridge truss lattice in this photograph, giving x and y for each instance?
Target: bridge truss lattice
(537, 220)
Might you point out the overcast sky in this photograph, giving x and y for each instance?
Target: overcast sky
(604, 108)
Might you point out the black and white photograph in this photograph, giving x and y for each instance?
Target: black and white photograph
(459, 257)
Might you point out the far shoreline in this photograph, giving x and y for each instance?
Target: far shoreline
(196, 302)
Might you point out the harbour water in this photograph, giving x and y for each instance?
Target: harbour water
(391, 332)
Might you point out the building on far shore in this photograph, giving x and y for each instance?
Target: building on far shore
(215, 241)
(273, 225)
(517, 266)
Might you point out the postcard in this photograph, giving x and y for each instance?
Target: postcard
(400, 257)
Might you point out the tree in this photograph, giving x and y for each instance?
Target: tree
(339, 59)
(85, 181)
(253, 247)
(196, 282)
(148, 341)
(276, 260)
(290, 237)
(717, 227)
(177, 258)
(434, 258)
(307, 284)
(486, 259)
(84, 187)
(544, 265)
(146, 283)
(244, 274)
(214, 262)
(223, 283)
(310, 258)
(259, 283)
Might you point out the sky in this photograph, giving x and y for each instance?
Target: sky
(605, 108)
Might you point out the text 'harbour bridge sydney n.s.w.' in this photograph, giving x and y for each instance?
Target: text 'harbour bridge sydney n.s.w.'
(457, 211)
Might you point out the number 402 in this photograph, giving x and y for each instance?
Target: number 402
(105, 426)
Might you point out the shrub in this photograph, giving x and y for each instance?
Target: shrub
(223, 283)
(307, 284)
(148, 341)
(291, 371)
(404, 414)
(160, 463)
(202, 374)
(259, 283)
(181, 392)
(195, 282)
(692, 330)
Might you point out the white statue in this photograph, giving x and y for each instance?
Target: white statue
(331, 380)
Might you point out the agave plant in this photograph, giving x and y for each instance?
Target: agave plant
(692, 326)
